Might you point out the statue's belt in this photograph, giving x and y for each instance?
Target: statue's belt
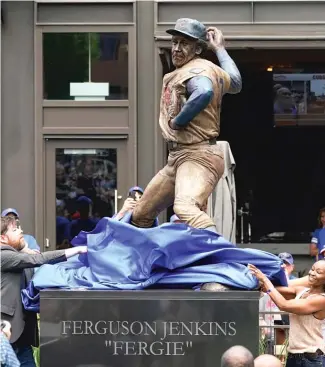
(172, 145)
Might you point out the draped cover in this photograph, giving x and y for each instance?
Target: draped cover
(123, 257)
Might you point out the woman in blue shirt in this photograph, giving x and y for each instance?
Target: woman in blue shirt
(317, 246)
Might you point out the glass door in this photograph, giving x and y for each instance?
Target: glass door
(84, 182)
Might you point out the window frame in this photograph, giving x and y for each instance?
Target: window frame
(39, 72)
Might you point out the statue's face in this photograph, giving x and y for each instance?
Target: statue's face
(183, 50)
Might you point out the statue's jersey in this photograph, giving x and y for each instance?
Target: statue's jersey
(206, 125)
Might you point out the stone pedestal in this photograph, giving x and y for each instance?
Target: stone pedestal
(173, 328)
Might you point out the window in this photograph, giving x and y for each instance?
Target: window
(299, 98)
(86, 183)
(87, 66)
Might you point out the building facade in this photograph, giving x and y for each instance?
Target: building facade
(54, 126)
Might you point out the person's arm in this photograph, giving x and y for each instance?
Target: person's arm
(199, 90)
(306, 306)
(14, 260)
(287, 292)
(129, 205)
(299, 282)
(313, 250)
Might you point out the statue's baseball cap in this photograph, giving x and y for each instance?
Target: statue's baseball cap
(190, 28)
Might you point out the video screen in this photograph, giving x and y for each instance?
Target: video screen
(299, 99)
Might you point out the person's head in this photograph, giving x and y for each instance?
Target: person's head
(284, 97)
(60, 206)
(188, 41)
(288, 262)
(316, 275)
(267, 360)
(136, 193)
(11, 212)
(11, 235)
(237, 356)
(84, 206)
(321, 218)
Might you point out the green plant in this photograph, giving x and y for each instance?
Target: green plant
(37, 357)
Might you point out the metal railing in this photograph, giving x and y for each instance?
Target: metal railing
(274, 332)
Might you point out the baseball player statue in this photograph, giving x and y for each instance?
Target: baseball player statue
(190, 123)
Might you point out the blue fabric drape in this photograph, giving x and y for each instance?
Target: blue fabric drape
(121, 256)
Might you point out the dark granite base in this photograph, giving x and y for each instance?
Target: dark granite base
(145, 328)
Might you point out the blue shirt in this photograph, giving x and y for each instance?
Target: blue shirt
(31, 241)
(78, 225)
(62, 229)
(318, 238)
(8, 356)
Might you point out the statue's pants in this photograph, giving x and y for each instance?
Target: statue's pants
(188, 179)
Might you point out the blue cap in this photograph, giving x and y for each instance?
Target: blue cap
(9, 211)
(136, 188)
(286, 257)
(174, 218)
(84, 200)
(191, 28)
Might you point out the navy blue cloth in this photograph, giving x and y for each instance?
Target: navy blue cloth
(121, 256)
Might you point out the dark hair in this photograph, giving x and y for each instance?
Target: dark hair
(6, 222)
(321, 211)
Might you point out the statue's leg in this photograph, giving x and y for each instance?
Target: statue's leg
(196, 177)
(158, 195)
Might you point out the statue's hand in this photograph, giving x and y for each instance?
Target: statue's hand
(215, 38)
(172, 125)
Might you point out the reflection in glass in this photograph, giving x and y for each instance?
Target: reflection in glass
(299, 99)
(85, 57)
(85, 189)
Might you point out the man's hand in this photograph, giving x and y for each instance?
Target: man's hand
(69, 252)
(215, 38)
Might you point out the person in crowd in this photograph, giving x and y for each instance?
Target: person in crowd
(62, 226)
(29, 239)
(306, 306)
(288, 263)
(267, 319)
(8, 357)
(237, 356)
(317, 246)
(85, 222)
(267, 360)
(16, 272)
(134, 195)
(283, 100)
